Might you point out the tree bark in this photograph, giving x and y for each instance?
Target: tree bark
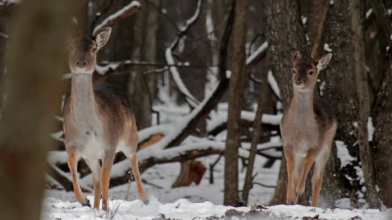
(315, 25)
(382, 115)
(33, 97)
(137, 87)
(236, 89)
(363, 102)
(344, 37)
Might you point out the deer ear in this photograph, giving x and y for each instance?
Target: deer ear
(102, 37)
(323, 61)
(296, 56)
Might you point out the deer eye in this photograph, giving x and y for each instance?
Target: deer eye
(94, 50)
(311, 73)
(294, 71)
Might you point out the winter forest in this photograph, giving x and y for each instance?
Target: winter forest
(195, 109)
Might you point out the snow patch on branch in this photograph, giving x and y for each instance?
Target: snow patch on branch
(274, 85)
(193, 18)
(176, 77)
(263, 47)
(116, 15)
(245, 115)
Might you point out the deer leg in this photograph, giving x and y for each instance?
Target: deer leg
(297, 175)
(290, 162)
(107, 164)
(306, 165)
(318, 171)
(95, 168)
(135, 169)
(72, 164)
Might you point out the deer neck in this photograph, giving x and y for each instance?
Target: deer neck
(302, 103)
(83, 104)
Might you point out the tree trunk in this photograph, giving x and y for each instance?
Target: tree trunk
(282, 20)
(315, 25)
(137, 86)
(150, 44)
(361, 81)
(257, 131)
(344, 74)
(33, 97)
(236, 89)
(382, 115)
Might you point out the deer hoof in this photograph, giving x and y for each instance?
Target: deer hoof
(146, 202)
(290, 203)
(86, 202)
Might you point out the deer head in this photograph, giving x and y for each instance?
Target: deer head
(306, 71)
(83, 51)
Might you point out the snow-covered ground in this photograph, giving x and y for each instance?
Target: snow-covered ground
(184, 209)
(194, 202)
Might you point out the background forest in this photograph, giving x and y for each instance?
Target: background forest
(208, 81)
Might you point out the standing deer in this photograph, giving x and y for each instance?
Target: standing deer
(98, 121)
(308, 127)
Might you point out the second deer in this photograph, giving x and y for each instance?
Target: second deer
(98, 121)
(308, 127)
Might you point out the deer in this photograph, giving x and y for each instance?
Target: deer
(98, 121)
(308, 127)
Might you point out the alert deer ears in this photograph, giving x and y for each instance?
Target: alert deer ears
(296, 56)
(323, 62)
(102, 37)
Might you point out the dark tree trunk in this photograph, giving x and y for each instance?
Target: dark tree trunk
(33, 97)
(137, 87)
(382, 115)
(344, 75)
(236, 89)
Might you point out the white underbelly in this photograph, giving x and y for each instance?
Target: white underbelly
(92, 149)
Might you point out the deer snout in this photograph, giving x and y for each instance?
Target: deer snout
(298, 82)
(81, 63)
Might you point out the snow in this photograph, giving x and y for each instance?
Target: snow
(6, 2)
(343, 154)
(193, 18)
(186, 210)
(102, 70)
(274, 85)
(368, 13)
(370, 128)
(327, 48)
(221, 118)
(259, 50)
(115, 15)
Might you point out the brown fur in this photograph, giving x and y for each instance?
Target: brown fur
(308, 127)
(98, 122)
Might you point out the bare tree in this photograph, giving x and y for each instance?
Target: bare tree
(33, 97)
(236, 89)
